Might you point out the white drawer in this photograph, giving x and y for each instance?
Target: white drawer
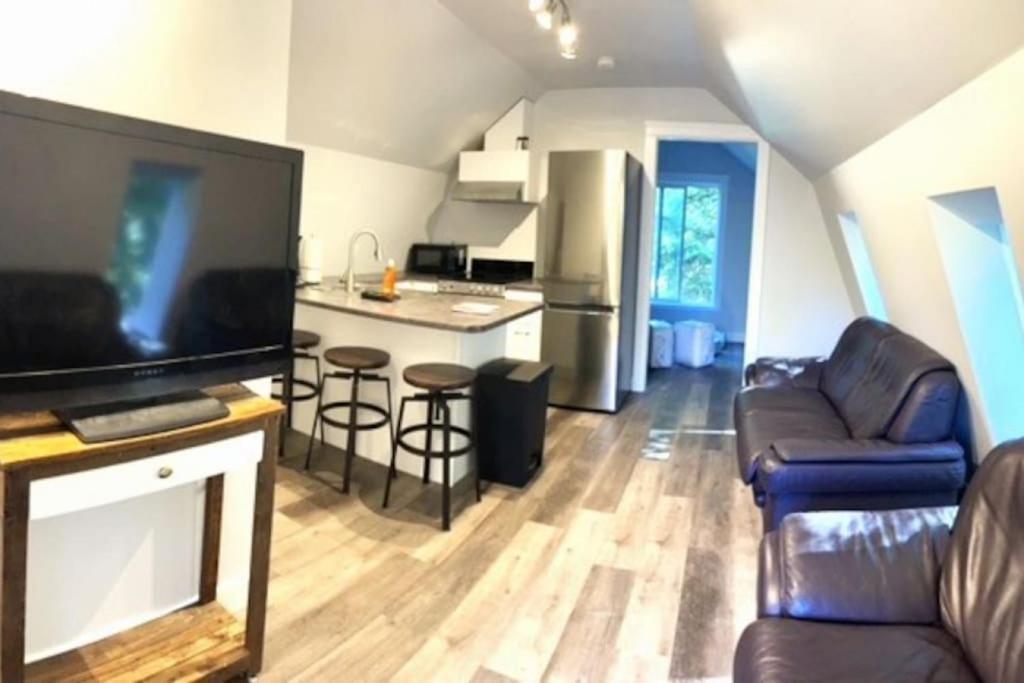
(534, 295)
(82, 490)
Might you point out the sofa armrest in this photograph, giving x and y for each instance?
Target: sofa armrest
(803, 373)
(863, 567)
(864, 450)
(769, 582)
(852, 466)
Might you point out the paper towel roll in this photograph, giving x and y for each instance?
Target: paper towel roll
(311, 259)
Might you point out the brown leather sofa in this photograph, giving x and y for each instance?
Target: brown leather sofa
(896, 596)
(869, 428)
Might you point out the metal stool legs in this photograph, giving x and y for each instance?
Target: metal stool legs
(393, 467)
(350, 442)
(289, 397)
(437, 405)
(352, 424)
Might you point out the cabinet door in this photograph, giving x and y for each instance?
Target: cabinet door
(522, 338)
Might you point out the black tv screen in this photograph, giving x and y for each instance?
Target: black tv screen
(138, 258)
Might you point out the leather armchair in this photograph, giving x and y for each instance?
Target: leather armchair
(870, 428)
(920, 594)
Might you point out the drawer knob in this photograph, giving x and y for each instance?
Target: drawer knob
(164, 472)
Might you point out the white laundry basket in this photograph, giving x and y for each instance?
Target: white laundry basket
(695, 343)
(660, 355)
(719, 341)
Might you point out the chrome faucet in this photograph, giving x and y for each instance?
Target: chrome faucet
(350, 274)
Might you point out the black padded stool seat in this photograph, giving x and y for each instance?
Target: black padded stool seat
(303, 339)
(439, 376)
(357, 357)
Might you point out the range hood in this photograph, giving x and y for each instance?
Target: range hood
(493, 192)
(493, 176)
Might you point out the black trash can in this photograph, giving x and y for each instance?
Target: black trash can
(509, 420)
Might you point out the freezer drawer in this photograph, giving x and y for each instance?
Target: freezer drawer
(583, 347)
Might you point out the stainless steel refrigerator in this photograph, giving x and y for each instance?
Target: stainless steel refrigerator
(587, 252)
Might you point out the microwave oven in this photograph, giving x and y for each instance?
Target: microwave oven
(444, 260)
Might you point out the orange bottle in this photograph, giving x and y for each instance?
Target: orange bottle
(390, 278)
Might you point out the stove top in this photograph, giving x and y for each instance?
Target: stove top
(488, 277)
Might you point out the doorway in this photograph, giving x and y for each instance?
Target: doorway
(703, 231)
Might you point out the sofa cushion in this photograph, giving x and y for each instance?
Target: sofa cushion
(793, 372)
(757, 429)
(788, 651)
(929, 411)
(781, 398)
(982, 592)
(898, 362)
(852, 356)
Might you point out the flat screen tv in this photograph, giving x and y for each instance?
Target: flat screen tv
(138, 259)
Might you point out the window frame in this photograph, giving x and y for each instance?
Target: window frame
(682, 180)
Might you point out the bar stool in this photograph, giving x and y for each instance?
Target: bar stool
(441, 383)
(302, 342)
(356, 362)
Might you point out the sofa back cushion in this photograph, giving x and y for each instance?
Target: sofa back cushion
(852, 356)
(897, 364)
(981, 592)
(929, 411)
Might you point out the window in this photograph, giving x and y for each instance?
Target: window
(863, 270)
(983, 279)
(689, 218)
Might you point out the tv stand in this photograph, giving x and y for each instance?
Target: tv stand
(128, 419)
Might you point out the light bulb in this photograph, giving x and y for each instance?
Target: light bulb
(545, 19)
(569, 52)
(567, 34)
(537, 5)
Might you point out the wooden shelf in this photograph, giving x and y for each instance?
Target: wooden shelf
(202, 643)
(39, 440)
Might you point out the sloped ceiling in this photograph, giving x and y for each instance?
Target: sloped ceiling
(416, 81)
(654, 42)
(820, 79)
(399, 80)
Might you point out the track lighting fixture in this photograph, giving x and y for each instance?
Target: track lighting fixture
(545, 11)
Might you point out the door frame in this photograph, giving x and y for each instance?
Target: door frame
(655, 132)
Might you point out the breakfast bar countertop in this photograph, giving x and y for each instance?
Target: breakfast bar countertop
(420, 309)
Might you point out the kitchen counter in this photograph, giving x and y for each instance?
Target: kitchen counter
(420, 309)
(418, 328)
(518, 285)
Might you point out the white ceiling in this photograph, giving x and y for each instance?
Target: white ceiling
(401, 80)
(654, 42)
(820, 79)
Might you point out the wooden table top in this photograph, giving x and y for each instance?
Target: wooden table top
(35, 438)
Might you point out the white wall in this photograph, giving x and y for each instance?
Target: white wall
(402, 80)
(217, 66)
(343, 193)
(804, 303)
(971, 139)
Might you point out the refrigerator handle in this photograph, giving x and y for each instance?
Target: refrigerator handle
(581, 309)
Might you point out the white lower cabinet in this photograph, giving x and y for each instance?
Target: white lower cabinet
(522, 339)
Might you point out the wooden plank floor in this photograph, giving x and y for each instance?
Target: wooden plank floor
(611, 566)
